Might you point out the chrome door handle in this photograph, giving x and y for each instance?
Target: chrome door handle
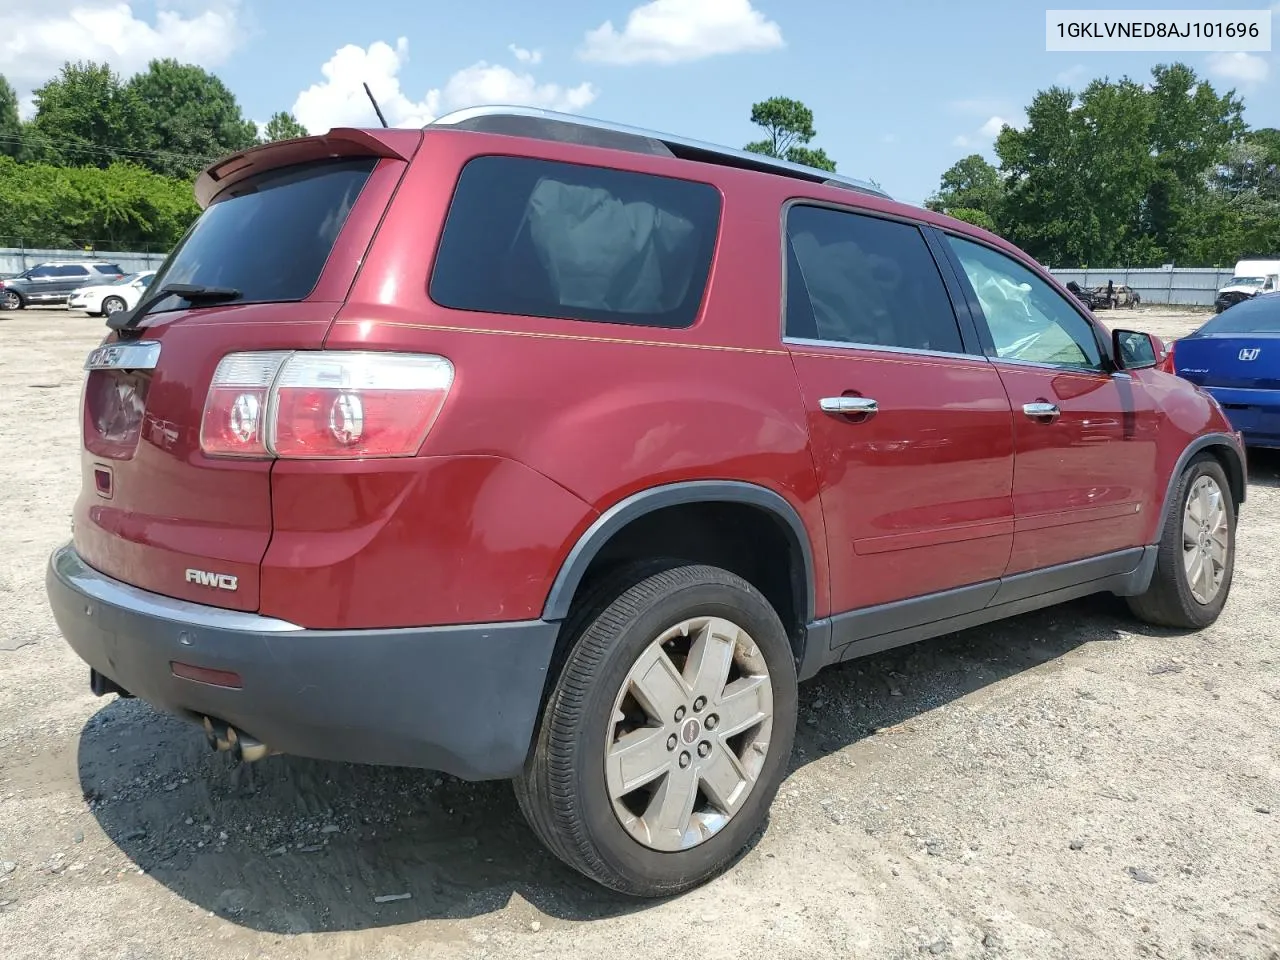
(1041, 411)
(849, 406)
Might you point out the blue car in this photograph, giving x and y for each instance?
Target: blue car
(1236, 358)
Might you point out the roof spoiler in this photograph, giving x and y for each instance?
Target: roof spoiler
(396, 144)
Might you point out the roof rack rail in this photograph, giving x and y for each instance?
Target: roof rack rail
(569, 128)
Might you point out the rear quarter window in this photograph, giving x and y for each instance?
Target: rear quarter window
(540, 238)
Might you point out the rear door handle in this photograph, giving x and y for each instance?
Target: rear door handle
(849, 406)
(1041, 411)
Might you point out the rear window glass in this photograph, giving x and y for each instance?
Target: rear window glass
(270, 236)
(546, 239)
(1260, 315)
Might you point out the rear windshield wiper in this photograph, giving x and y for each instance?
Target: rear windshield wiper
(195, 293)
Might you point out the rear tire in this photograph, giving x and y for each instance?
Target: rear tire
(1196, 555)
(601, 786)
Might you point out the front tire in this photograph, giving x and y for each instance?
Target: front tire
(112, 305)
(9, 300)
(667, 733)
(1196, 554)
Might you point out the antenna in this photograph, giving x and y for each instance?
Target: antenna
(376, 108)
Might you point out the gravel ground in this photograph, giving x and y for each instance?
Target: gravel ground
(1067, 784)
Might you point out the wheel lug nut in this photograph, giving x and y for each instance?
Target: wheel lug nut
(704, 748)
(679, 714)
(711, 721)
(685, 760)
(699, 704)
(671, 742)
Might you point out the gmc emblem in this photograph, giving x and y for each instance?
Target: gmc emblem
(222, 581)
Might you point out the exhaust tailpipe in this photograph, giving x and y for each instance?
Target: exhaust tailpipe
(223, 737)
(245, 748)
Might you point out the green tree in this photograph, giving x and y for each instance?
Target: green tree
(123, 205)
(188, 118)
(1190, 127)
(1269, 139)
(1046, 209)
(283, 126)
(1116, 134)
(1117, 174)
(788, 128)
(979, 218)
(84, 116)
(10, 124)
(970, 184)
(1239, 213)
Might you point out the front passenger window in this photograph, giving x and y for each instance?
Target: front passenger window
(1027, 318)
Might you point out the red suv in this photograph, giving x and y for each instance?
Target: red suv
(532, 447)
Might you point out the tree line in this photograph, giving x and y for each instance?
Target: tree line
(1127, 174)
(1123, 173)
(113, 160)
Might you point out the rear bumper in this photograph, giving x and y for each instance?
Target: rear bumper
(463, 700)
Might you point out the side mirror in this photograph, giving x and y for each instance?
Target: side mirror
(1136, 351)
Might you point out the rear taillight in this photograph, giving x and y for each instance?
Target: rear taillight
(1166, 362)
(323, 404)
(234, 421)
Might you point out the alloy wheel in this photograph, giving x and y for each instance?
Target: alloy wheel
(1205, 539)
(689, 733)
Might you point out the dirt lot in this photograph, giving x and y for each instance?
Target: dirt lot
(1067, 784)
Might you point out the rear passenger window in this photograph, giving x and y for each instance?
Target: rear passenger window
(546, 239)
(861, 280)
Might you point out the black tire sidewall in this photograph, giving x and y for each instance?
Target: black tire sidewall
(621, 854)
(1202, 614)
(106, 312)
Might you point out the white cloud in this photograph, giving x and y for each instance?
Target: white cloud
(531, 57)
(675, 31)
(37, 38)
(1247, 69)
(1073, 75)
(993, 126)
(340, 100)
(483, 83)
(985, 134)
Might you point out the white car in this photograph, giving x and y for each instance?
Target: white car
(104, 299)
